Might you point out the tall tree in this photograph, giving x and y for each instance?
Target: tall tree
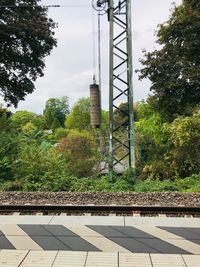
(55, 112)
(174, 70)
(79, 117)
(26, 38)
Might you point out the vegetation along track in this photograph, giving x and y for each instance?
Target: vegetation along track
(118, 203)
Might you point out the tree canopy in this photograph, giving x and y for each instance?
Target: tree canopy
(26, 38)
(174, 70)
(79, 117)
(55, 112)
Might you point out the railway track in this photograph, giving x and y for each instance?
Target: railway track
(128, 210)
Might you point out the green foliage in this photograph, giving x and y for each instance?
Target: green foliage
(34, 162)
(55, 112)
(21, 118)
(79, 117)
(174, 70)
(60, 133)
(155, 186)
(100, 185)
(26, 38)
(80, 152)
(184, 153)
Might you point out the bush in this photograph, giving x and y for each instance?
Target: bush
(155, 186)
(80, 152)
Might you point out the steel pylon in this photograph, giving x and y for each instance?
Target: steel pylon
(121, 128)
(121, 139)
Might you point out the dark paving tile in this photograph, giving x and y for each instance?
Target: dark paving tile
(59, 230)
(135, 240)
(161, 246)
(119, 231)
(194, 230)
(107, 231)
(185, 232)
(49, 243)
(34, 229)
(77, 244)
(130, 231)
(5, 243)
(1, 233)
(133, 245)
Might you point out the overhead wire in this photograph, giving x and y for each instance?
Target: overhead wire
(94, 45)
(46, 6)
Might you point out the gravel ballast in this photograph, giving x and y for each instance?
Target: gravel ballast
(76, 198)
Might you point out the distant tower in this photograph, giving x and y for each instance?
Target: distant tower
(95, 105)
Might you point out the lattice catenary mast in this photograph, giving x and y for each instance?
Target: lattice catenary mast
(121, 143)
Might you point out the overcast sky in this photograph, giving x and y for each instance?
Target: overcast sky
(69, 69)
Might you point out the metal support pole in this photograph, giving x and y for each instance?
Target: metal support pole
(110, 15)
(130, 92)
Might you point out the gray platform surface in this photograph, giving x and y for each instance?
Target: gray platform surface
(99, 241)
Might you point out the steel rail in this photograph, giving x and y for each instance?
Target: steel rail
(29, 208)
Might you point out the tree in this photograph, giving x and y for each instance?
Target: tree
(184, 153)
(21, 118)
(80, 151)
(79, 117)
(174, 70)
(55, 112)
(26, 38)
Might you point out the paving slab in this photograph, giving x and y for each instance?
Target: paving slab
(70, 259)
(39, 259)
(99, 259)
(25, 219)
(163, 221)
(12, 258)
(192, 260)
(77, 243)
(88, 220)
(134, 260)
(160, 260)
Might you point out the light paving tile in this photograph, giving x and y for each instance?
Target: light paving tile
(192, 260)
(102, 259)
(171, 238)
(163, 221)
(18, 238)
(70, 259)
(88, 220)
(39, 259)
(23, 242)
(96, 239)
(167, 260)
(25, 219)
(12, 258)
(11, 229)
(134, 260)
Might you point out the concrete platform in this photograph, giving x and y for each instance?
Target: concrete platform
(25, 258)
(99, 241)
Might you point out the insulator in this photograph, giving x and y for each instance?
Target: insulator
(95, 109)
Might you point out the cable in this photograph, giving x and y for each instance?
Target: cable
(46, 6)
(94, 45)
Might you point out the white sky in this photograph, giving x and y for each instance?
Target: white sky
(69, 69)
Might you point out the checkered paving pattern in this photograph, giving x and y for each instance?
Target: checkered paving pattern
(101, 238)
